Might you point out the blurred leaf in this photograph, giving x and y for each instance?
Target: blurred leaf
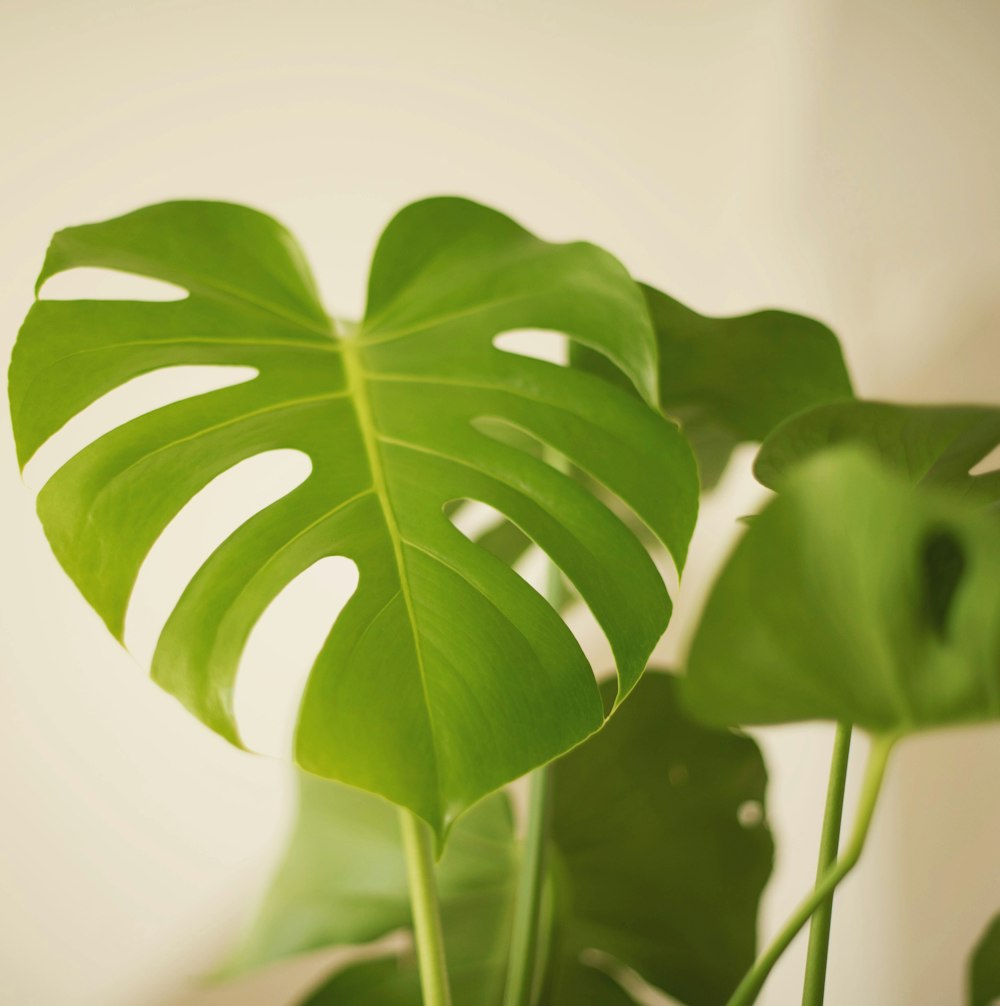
(650, 864)
(929, 445)
(984, 967)
(343, 881)
(732, 380)
(661, 850)
(853, 598)
(393, 982)
(445, 676)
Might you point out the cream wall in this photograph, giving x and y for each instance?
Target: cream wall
(835, 157)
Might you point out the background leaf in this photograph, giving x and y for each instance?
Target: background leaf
(651, 865)
(446, 675)
(343, 881)
(929, 445)
(984, 968)
(732, 380)
(852, 597)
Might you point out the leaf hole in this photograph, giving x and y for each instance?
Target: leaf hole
(627, 978)
(472, 518)
(205, 521)
(942, 563)
(142, 394)
(988, 464)
(493, 531)
(281, 650)
(750, 814)
(512, 435)
(535, 343)
(86, 283)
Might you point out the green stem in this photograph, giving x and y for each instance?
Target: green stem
(814, 988)
(417, 846)
(750, 987)
(527, 905)
(523, 957)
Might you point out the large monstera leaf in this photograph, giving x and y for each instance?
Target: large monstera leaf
(855, 597)
(445, 675)
(655, 865)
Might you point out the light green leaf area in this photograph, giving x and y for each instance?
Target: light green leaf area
(446, 675)
(732, 380)
(929, 445)
(654, 863)
(984, 968)
(852, 597)
(343, 881)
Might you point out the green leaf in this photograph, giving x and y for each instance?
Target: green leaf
(984, 968)
(929, 445)
(342, 881)
(585, 982)
(653, 865)
(854, 598)
(732, 380)
(650, 865)
(446, 675)
(727, 380)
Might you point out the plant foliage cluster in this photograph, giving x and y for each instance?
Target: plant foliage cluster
(866, 592)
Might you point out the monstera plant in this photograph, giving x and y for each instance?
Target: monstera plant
(867, 592)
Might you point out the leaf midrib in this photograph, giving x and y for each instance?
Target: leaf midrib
(358, 393)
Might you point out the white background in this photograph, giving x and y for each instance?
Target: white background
(835, 157)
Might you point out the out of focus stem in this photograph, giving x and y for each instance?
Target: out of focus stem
(814, 988)
(521, 968)
(748, 989)
(522, 963)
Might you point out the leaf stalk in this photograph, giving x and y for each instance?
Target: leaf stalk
(522, 961)
(748, 989)
(814, 987)
(528, 902)
(427, 931)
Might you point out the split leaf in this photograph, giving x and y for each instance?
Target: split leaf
(446, 675)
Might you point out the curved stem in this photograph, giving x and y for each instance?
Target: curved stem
(814, 988)
(527, 905)
(417, 847)
(750, 987)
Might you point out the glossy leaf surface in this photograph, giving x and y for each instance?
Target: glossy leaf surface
(984, 968)
(651, 866)
(732, 380)
(929, 445)
(853, 598)
(445, 675)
